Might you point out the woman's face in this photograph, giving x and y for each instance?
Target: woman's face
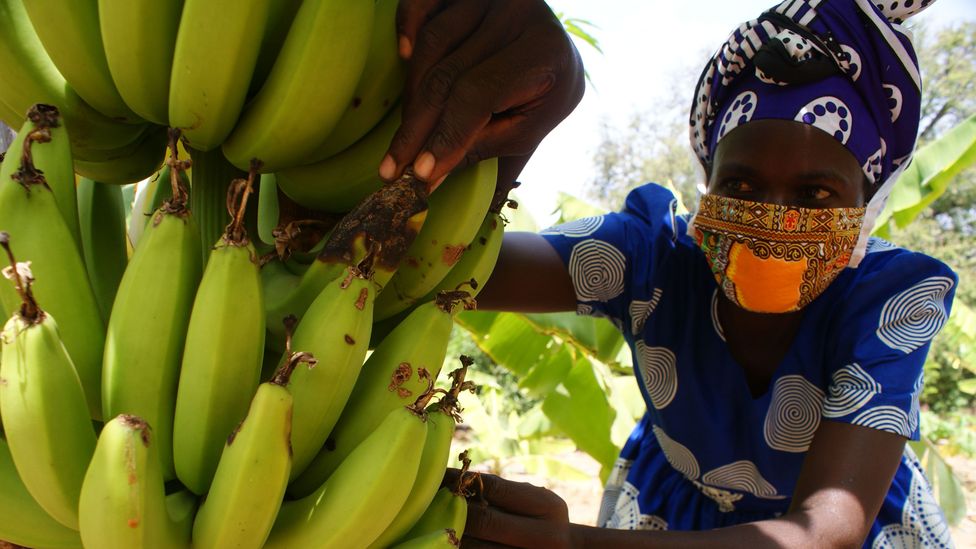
(787, 163)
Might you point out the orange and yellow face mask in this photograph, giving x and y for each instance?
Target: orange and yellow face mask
(769, 258)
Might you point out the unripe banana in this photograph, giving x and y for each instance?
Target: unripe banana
(441, 421)
(444, 539)
(251, 477)
(363, 495)
(457, 209)
(223, 351)
(394, 375)
(123, 499)
(206, 97)
(130, 163)
(30, 213)
(290, 117)
(341, 181)
(69, 30)
(147, 328)
(449, 508)
(280, 18)
(101, 216)
(34, 79)
(45, 416)
(379, 86)
(139, 38)
(22, 520)
(267, 208)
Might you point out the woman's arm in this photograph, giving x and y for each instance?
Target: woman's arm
(846, 474)
(529, 277)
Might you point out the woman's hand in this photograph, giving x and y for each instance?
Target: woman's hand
(514, 514)
(485, 78)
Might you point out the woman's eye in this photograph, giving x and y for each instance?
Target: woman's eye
(819, 193)
(738, 186)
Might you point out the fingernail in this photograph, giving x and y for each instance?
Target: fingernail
(424, 165)
(433, 186)
(405, 47)
(387, 167)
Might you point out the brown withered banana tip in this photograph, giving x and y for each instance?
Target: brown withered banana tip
(177, 204)
(447, 300)
(43, 117)
(30, 312)
(382, 218)
(300, 235)
(237, 196)
(500, 199)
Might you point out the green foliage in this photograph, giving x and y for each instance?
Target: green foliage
(947, 488)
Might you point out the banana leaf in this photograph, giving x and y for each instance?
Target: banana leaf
(948, 490)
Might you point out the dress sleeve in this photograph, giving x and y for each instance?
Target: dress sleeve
(613, 258)
(881, 339)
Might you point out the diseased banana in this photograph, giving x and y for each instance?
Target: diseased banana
(123, 498)
(290, 117)
(223, 351)
(147, 327)
(45, 416)
(139, 37)
(101, 218)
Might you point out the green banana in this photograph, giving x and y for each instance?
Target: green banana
(378, 89)
(381, 227)
(267, 208)
(456, 213)
(442, 539)
(101, 215)
(275, 31)
(251, 477)
(147, 328)
(34, 79)
(335, 329)
(70, 32)
(441, 420)
(364, 494)
(223, 351)
(290, 117)
(150, 196)
(397, 371)
(22, 520)
(339, 182)
(130, 163)
(139, 37)
(182, 509)
(206, 97)
(45, 416)
(449, 508)
(30, 213)
(123, 498)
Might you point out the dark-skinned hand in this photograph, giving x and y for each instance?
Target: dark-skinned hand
(503, 513)
(485, 78)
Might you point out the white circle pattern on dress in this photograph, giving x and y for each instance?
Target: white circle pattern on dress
(659, 373)
(652, 522)
(583, 309)
(677, 455)
(740, 111)
(911, 318)
(640, 311)
(613, 489)
(829, 114)
(923, 515)
(850, 389)
(597, 270)
(793, 415)
(716, 323)
(853, 61)
(626, 512)
(885, 418)
(876, 245)
(579, 228)
(743, 476)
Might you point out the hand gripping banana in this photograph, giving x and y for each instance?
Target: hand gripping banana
(397, 371)
(444, 539)
(45, 417)
(290, 117)
(364, 494)
(70, 33)
(378, 89)
(449, 508)
(147, 328)
(441, 420)
(29, 212)
(139, 37)
(457, 209)
(341, 181)
(34, 79)
(380, 228)
(206, 98)
(101, 216)
(123, 498)
(127, 164)
(22, 521)
(223, 351)
(253, 472)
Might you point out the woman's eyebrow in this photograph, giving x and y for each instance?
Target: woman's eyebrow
(822, 174)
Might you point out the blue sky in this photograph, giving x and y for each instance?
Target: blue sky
(643, 41)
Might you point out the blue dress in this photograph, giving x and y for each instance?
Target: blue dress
(707, 454)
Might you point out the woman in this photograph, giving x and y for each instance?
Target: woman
(778, 347)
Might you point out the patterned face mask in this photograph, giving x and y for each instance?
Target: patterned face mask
(769, 258)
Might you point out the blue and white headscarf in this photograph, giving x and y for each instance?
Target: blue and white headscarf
(846, 67)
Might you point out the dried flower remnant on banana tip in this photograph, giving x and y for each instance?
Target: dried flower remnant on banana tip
(20, 274)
